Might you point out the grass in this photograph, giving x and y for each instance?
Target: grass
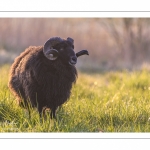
(109, 102)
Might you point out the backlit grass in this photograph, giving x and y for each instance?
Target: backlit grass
(109, 102)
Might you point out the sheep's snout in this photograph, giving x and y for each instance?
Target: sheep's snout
(73, 60)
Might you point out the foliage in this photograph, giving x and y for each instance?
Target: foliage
(113, 43)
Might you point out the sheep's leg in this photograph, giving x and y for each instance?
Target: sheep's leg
(41, 111)
(53, 113)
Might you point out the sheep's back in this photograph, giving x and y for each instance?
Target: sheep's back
(18, 72)
(34, 77)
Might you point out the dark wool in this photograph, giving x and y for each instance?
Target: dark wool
(43, 83)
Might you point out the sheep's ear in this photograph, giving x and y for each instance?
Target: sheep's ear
(82, 52)
(51, 54)
(71, 40)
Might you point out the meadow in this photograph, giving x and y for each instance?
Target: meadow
(114, 101)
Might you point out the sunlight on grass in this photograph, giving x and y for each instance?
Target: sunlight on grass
(109, 102)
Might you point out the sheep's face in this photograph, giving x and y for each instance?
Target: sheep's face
(66, 53)
(57, 49)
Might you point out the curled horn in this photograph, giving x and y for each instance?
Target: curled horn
(48, 49)
(82, 52)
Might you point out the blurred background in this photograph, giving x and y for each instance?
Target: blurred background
(113, 43)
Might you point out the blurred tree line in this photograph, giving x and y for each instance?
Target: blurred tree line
(113, 43)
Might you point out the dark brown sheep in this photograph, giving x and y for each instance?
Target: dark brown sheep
(43, 76)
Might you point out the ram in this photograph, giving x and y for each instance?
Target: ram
(44, 75)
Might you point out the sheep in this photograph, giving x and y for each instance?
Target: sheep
(44, 75)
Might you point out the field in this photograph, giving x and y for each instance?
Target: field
(116, 101)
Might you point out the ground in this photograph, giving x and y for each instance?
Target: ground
(117, 101)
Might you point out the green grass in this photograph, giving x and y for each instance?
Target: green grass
(109, 102)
